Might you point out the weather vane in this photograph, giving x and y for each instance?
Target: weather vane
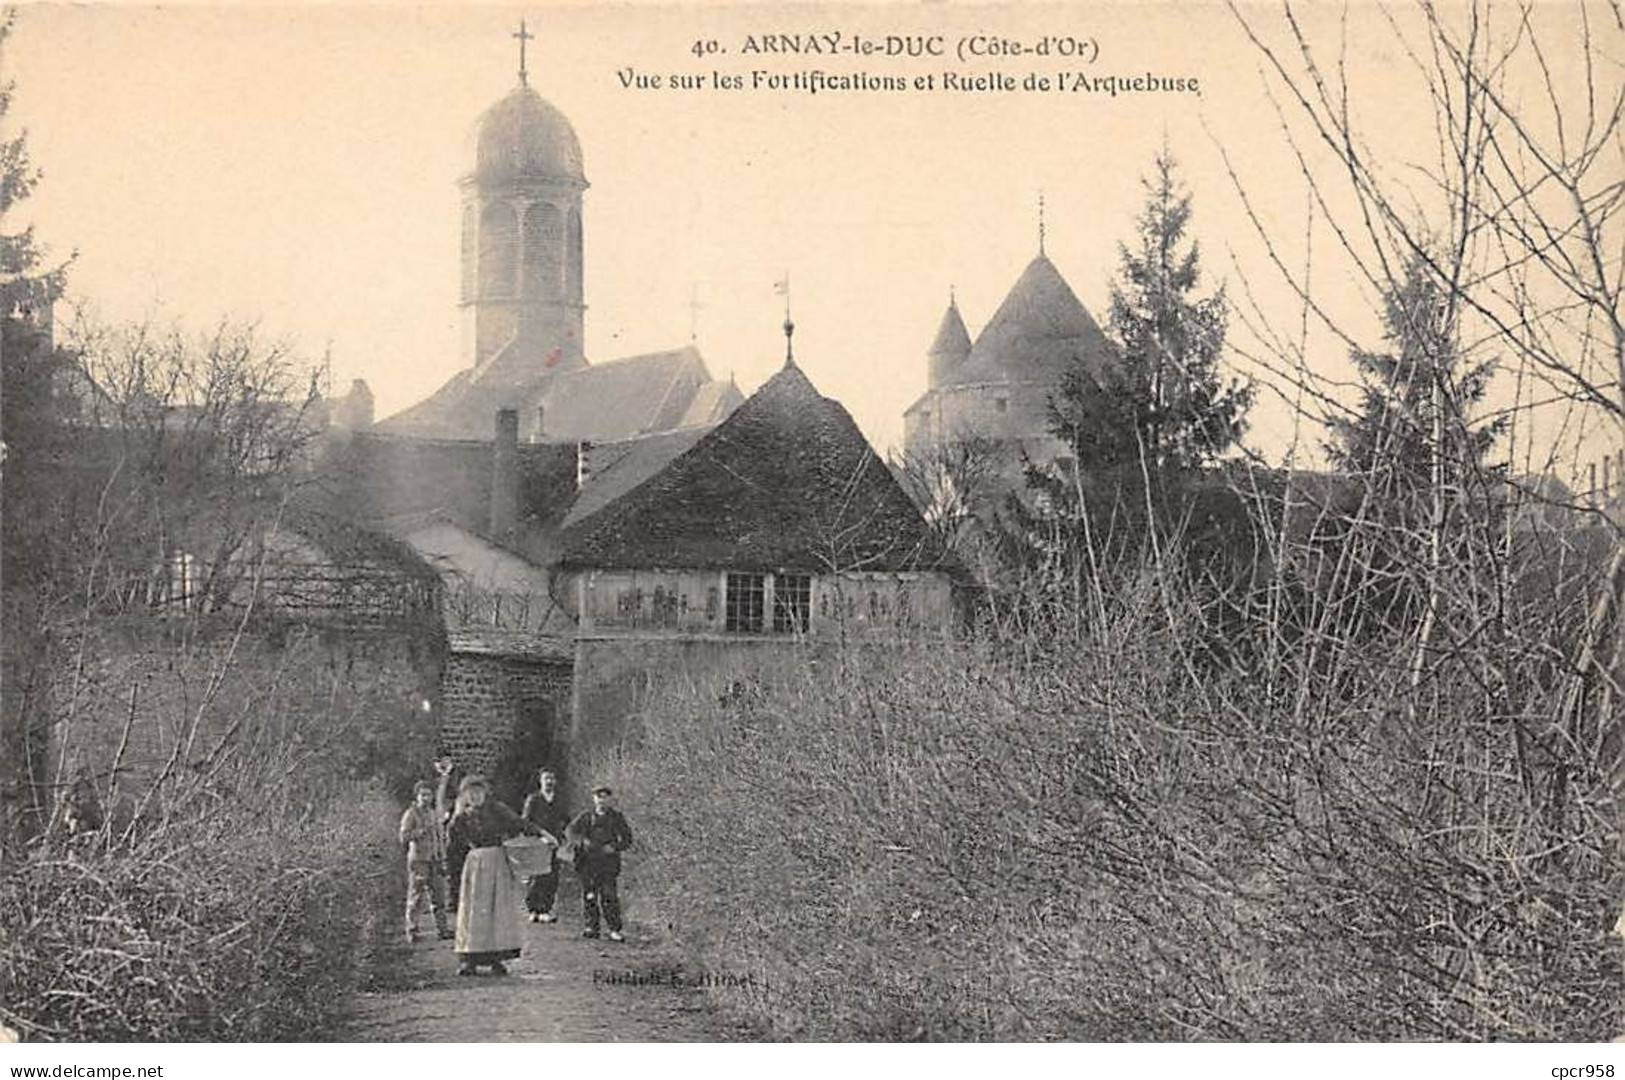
(782, 287)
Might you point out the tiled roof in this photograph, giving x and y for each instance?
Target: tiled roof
(618, 467)
(786, 482)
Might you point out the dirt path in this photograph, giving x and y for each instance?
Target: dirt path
(563, 988)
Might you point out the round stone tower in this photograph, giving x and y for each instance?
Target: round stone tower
(521, 286)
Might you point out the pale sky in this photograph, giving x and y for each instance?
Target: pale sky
(299, 166)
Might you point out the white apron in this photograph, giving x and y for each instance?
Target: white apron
(488, 906)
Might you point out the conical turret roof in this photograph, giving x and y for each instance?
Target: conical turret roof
(1037, 332)
(952, 340)
(949, 349)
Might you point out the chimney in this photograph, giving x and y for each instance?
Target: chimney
(353, 411)
(505, 473)
(361, 404)
(540, 434)
(583, 463)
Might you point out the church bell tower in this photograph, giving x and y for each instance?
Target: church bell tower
(521, 293)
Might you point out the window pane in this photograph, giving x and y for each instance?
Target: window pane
(744, 603)
(792, 603)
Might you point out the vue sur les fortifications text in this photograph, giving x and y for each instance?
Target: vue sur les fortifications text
(1063, 63)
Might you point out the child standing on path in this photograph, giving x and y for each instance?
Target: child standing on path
(425, 843)
(545, 811)
(599, 836)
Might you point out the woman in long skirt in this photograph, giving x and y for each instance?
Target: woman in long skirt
(488, 925)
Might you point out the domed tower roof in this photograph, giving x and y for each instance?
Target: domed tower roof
(1037, 332)
(522, 137)
(950, 347)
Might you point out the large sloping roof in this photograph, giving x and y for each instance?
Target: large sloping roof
(402, 481)
(403, 484)
(620, 399)
(1039, 330)
(618, 467)
(786, 482)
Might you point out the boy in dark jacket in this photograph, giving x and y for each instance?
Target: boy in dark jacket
(545, 810)
(599, 836)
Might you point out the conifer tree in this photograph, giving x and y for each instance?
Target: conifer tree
(1426, 493)
(1142, 426)
(1417, 397)
(29, 364)
(26, 284)
(1161, 408)
(28, 367)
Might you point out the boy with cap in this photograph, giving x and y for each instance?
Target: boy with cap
(599, 836)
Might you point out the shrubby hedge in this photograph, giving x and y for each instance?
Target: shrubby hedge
(1102, 832)
(250, 921)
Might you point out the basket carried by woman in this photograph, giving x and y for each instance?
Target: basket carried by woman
(529, 855)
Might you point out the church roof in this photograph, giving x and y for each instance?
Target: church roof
(620, 399)
(461, 409)
(1037, 332)
(712, 403)
(785, 482)
(524, 137)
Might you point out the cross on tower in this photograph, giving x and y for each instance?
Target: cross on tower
(523, 36)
